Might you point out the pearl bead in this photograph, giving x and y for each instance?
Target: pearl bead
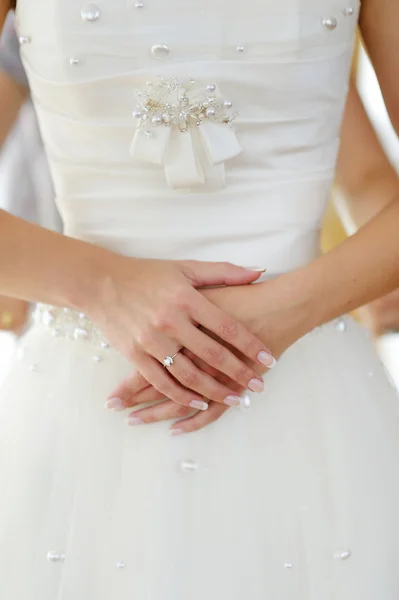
(156, 120)
(228, 104)
(348, 11)
(160, 51)
(288, 565)
(139, 5)
(211, 87)
(55, 557)
(137, 114)
(240, 48)
(120, 564)
(73, 61)
(246, 402)
(25, 39)
(341, 326)
(329, 23)
(97, 358)
(210, 112)
(188, 466)
(166, 118)
(105, 345)
(90, 13)
(343, 555)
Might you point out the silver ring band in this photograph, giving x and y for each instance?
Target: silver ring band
(169, 360)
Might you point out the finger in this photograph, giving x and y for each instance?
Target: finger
(121, 397)
(220, 357)
(219, 273)
(231, 331)
(199, 420)
(188, 374)
(165, 384)
(164, 411)
(201, 364)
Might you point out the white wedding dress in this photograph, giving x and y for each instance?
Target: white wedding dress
(295, 498)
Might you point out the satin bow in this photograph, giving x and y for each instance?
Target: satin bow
(187, 131)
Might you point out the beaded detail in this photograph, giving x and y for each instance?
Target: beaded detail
(69, 324)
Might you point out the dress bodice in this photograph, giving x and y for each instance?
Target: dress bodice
(251, 191)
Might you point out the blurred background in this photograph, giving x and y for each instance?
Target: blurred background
(26, 190)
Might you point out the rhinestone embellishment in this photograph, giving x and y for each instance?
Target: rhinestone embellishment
(343, 554)
(69, 324)
(176, 102)
(55, 557)
(160, 51)
(329, 23)
(90, 13)
(188, 466)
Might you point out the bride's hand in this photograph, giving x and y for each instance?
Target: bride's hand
(273, 320)
(150, 309)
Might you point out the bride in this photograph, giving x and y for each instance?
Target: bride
(184, 139)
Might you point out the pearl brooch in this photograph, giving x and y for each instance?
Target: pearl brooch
(329, 23)
(160, 51)
(90, 13)
(188, 466)
(55, 557)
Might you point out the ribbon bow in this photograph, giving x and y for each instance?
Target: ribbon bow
(187, 129)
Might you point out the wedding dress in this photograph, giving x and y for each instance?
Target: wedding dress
(294, 498)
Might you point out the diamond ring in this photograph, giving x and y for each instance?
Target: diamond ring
(169, 360)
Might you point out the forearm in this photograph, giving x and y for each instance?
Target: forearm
(361, 269)
(41, 266)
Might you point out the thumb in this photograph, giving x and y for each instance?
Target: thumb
(203, 274)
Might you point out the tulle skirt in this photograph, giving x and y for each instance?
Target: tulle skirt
(295, 498)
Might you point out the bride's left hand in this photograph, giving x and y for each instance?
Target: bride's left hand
(262, 309)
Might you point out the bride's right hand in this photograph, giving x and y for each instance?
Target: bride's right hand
(150, 309)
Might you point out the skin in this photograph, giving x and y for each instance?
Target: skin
(110, 288)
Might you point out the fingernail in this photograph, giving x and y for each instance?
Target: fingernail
(199, 405)
(265, 358)
(176, 431)
(256, 385)
(232, 400)
(115, 404)
(133, 421)
(257, 269)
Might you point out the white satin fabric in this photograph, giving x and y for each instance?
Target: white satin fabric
(293, 499)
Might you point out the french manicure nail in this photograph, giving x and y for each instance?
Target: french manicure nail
(199, 405)
(257, 269)
(176, 431)
(265, 358)
(133, 421)
(256, 385)
(115, 404)
(232, 400)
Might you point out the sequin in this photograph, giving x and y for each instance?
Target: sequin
(25, 39)
(90, 13)
(348, 11)
(188, 466)
(160, 51)
(55, 557)
(329, 23)
(343, 554)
